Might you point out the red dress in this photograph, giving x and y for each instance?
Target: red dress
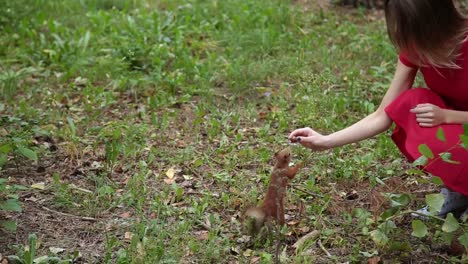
(448, 88)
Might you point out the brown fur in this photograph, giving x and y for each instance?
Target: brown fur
(272, 208)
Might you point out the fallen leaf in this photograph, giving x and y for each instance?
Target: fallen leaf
(187, 177)
(262, 115)
(303, 230)
(179, 204)
(96, 165)
(3, 132)
(169, 181)
(118, 169)
(247, 253)
(188, 253)
(374, 260)
(56, 250)
(170, 173)
(125, 182)
(202, 235)
(128, 236)
(243, 239)
(293, 222)
(125, 215)
(80, 81)
(186, 184)
(255, 260)
(39, 186)
(275, 109)
(32, 199)
(235, 251)
(181, 144)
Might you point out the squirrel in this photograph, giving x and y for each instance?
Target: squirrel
(272, 208)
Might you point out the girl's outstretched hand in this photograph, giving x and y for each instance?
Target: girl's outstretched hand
(309, 138)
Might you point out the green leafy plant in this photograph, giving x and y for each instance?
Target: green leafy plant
(28, 255)
(450, 226)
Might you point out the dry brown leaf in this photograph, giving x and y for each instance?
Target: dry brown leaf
(303, 230)
(374, 260)
(254, 260)
(262, 115)
(275, 109)
(202, 235)
(181, 144)
(128, 236)
(118, 169)
(179, 203)
(125, 215)
(169, 181)
(3, 132)
(125, 182)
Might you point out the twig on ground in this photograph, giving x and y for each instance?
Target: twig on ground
(205, 226)
(85, 218)
(424, 191)
(323, 248)
(193, 171)
(209, 157)
(310, 236)
(443, 257)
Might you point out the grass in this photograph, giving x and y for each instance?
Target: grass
(159, 120)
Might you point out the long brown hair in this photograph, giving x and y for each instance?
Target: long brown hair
(429, 32)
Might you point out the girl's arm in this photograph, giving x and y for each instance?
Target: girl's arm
(456, 117)
(369, 126)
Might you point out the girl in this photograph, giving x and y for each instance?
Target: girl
(432, 37)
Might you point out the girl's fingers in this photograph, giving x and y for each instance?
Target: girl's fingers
(425, 115)
(421, 109)
(426, 125)
(421, 105)
(301, 132)
(306, 139)
(424, 120)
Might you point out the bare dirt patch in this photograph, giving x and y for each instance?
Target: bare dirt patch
(40, 215)
(56, 231)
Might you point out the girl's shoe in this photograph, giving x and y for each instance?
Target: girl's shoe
(454, 202)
